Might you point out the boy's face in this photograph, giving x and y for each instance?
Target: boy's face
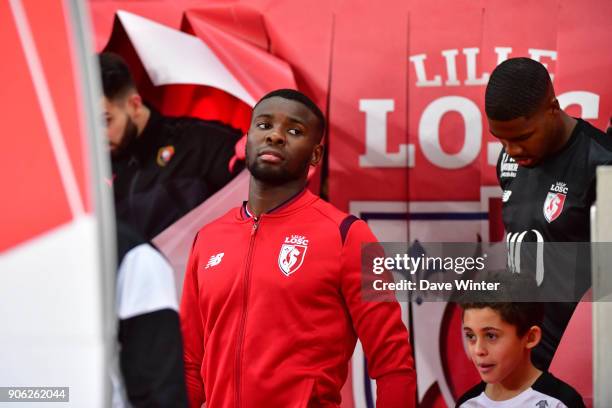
(493, 345)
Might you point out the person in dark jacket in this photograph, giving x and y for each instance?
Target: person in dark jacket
(149, 338)
(163, 167)
(546, 170)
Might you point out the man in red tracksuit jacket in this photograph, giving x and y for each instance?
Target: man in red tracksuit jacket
(272, 304)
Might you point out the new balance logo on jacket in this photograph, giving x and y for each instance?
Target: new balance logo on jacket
(214, 260)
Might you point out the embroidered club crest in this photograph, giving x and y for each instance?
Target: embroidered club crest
(164, 154)
(553, 205)
(291, 255)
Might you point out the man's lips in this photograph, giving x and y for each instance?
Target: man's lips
(522, 161)
(271, 156)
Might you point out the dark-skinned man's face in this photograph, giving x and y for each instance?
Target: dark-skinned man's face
(529, 140)
(283, 141)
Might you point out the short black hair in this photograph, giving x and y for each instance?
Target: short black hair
(117, 79)
(522, 315)
(297, 96)
(517, 88)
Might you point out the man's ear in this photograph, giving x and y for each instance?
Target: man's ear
(134, 103)
(554, 106)
(534, 335)
(317, 155)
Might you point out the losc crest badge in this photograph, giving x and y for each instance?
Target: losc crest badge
(291, 255)
(553, 205)
(164, 154)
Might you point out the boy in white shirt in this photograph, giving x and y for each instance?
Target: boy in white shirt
(500, 338)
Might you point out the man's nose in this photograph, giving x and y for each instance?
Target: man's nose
(276, 136)
(513, 149)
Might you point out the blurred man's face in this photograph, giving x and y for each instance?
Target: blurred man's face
(283, 141)
(529, 140)
(120, 128)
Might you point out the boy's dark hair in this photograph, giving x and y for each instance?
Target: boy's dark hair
(517, 87)
(297, 96)
(116, 76)
(522, 315)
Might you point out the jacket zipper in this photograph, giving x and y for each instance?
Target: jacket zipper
(241, 328)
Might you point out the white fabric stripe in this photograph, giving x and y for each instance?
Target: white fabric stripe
(145, 283)
(358, 375)
(54, 131)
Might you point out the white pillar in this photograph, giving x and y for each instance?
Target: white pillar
(601, 231)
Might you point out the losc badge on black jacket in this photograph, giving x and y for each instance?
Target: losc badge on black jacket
(164, 154)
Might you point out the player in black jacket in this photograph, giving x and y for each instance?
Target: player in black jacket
(162, 166)
(546, 170)
(150, 354)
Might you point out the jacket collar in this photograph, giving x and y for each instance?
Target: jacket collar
(290, 205)
(147, 141)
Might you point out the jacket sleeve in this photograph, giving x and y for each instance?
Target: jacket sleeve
(151, 353)
(378, 325)
(151, 359)
(191, 327)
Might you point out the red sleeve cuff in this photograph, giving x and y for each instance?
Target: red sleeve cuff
(396, 390)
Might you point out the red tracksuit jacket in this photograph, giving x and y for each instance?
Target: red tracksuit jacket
(271, 310)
